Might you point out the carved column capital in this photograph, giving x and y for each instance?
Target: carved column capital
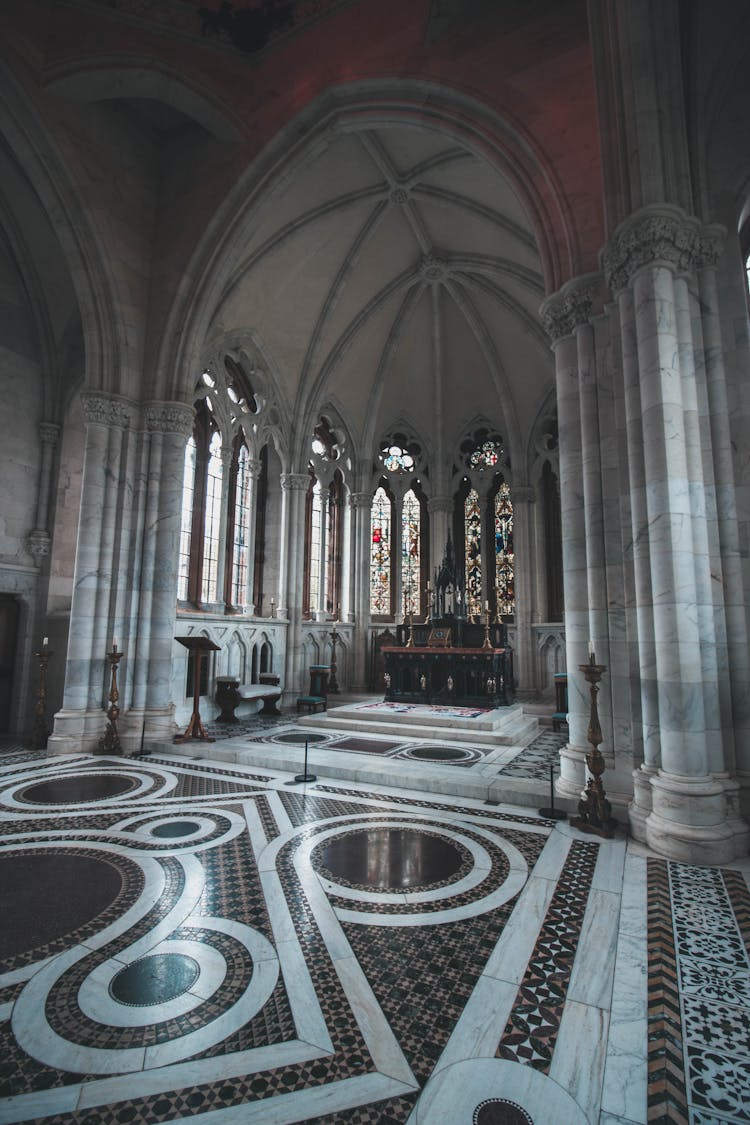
(662, 235)
(572, 306)
(169, 418)
(49, 433)
(38, 546)
(360, 499)
(106, 410)
(295, 482)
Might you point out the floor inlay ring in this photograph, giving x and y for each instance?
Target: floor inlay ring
(500, 1111)
(155, 979)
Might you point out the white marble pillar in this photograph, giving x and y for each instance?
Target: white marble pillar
(561, 314)
(294, 488)
(82, 719)
(689, 817)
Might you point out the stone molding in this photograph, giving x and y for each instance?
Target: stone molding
(106, 410)
(523, 494)
(660, 235)
(433, 268)
(571, 307)
(440, 504)
(295, 482)
(49, 433)
(360, 499)
(169, 418)
(38, 545)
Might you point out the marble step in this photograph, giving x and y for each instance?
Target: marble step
(517, 729)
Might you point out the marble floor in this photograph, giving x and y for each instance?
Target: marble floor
(187, 939)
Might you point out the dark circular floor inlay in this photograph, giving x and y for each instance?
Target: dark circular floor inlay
(155, 979)
(438, 753)
(46, 895)
(78, 789)
(175, 828)
(299, 740)
(390, 858)
(500, 1111)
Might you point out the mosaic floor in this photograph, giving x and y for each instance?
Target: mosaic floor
(188, 940)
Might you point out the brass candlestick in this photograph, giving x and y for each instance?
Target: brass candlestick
(333, 687)
(41, 730)
(594, 810)
(487, 642)
(410, 638)
(110, 743)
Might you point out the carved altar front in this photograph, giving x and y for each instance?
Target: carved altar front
(463, 677)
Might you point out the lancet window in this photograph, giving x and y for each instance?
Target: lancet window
(323, 524)
(381, 523)
(483, 525)
(215, 552)
(399, 532)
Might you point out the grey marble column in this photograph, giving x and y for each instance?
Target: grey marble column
(523, 498)
(361, 505)
(561, 315)
(38, 541)
(82, 718)
(689, 819)
(294, 488)
(254, 468)
(167, 428)
(440, 509)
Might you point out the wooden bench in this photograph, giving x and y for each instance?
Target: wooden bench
(230, 693)
(313, 703)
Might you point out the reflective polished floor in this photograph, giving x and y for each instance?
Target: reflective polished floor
(192, 940)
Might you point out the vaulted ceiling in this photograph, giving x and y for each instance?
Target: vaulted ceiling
(395, 276)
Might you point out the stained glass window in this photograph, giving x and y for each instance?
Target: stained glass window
(240, 554)
(411, 525)
(186, 523)
(316, 518)
(380, 553)
(504, 558)
(397, 460)
(473, 552)
(211, 528)
(486, 456)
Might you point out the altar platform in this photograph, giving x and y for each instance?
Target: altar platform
(498, 726)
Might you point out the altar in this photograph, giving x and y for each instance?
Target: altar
(461, 677)
(451, 658)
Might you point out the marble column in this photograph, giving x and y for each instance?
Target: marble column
(254, 469)
(38, 541)
(650, 256)
(361, 505)
(167, 427)
(321, 607)
(82, 718)
(524, 503)
(294, 488)
(440, 509)
(561, 315)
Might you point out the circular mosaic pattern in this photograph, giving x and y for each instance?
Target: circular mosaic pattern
(47, 895)
(299, 740)
(438, 753)
(500, 1111)
(78, 789)
(175, 828)
(155, 979)
(389, 858)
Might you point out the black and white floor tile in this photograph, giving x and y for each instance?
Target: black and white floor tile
(185, 939)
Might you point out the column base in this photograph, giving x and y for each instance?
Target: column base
(572, 780)
(690, 821)
(642, 803)
(81, 732)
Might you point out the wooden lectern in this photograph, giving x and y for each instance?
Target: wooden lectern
(198, 647)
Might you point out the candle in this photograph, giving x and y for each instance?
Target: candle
(114, 645)
(45, 642)
(591, 648)
(486, 607)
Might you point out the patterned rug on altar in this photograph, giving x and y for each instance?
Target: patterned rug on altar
(425, 709)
